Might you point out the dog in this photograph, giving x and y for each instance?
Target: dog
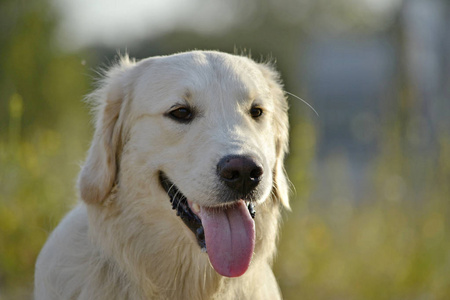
(182, 188)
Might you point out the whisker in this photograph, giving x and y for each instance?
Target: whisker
(309, 105)
(170, 189)
(178, 201)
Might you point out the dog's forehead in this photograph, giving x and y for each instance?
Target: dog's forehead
(204, 74)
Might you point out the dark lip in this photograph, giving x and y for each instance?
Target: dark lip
(180, 205)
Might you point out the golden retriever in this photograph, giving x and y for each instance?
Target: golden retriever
(182, 186)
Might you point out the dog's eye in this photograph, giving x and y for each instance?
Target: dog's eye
(256, 112)
(181, 114)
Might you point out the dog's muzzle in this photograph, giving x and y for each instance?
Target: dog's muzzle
(180, 205)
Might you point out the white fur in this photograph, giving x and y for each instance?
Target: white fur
(124, 241)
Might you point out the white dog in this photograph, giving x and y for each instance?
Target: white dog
(181, 187)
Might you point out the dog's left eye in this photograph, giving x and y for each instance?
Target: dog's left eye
(181, 114)
(256, 112)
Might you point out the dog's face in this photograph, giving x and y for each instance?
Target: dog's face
(193, 111)
(204, 130)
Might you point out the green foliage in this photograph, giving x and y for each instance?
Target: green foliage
(43, 134)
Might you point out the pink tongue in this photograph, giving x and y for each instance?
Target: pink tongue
(230, 238)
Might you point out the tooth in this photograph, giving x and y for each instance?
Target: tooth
(195, 207)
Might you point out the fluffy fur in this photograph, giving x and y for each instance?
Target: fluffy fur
(123, 241)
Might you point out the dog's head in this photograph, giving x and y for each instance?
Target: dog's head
(207, 131)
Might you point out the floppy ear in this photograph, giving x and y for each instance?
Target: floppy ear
(281, 125)
(100, 169)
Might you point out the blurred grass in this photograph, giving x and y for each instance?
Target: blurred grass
(393, 243)
(37, 175)
(44, 132)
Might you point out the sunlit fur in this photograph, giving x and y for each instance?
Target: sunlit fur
(123, 241)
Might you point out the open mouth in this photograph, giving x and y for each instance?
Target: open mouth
(226, 232)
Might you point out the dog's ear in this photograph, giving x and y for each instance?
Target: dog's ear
(281, 126)
(100, 169)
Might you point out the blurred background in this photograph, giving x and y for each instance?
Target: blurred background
(370, 212)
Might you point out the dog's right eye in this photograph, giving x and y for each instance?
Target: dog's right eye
(181, 114)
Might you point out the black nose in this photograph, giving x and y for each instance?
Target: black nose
(240, 173)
